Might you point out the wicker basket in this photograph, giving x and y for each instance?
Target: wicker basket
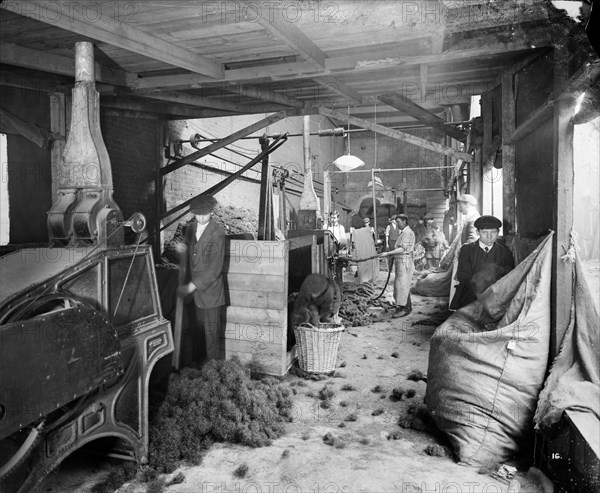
(317, 347)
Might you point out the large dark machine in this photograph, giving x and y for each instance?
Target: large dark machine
(80, 322)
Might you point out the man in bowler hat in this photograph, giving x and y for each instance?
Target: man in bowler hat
(481, 263)
(202, 260)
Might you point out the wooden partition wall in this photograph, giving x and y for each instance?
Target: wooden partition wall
(260, 275)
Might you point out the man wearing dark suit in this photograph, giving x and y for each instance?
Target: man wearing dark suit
(481, 263)
(203, 262)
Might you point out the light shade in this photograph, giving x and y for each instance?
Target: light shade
(348, 162)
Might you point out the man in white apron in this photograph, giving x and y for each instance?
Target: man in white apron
(404, 266)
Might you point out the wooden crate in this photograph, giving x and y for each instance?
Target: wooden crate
(257, 286)
(256, 313)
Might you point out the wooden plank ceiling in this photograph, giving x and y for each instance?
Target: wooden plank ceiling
(196, 59)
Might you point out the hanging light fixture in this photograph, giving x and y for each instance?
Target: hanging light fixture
(348, 162)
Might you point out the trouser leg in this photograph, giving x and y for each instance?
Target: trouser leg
(197, 333)
(208, 343)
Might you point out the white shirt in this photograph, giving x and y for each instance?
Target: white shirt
(483, 246)
(338, 231)
(200, 229)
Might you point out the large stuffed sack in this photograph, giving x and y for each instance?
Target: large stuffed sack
(574, 380)
(487, 364)
(437, 282)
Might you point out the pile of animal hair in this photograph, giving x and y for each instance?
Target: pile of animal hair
(219, 403)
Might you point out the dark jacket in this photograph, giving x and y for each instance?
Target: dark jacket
(478, 270)
(204, 266)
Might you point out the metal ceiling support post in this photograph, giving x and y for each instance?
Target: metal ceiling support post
(374, 200)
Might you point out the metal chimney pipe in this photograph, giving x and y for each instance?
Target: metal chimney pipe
(84, 211)
(84, 62)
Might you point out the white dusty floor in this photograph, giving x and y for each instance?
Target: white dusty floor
(376, 456)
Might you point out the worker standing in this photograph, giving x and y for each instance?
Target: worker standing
(391, 235)
(467, 205)
(404, 266)
(338, 231)
(203, 258)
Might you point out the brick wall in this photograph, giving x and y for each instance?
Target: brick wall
(133, 149)
(392, 153)
(189, 181)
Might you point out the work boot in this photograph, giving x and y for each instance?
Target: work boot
(400, 312)
(408, 307)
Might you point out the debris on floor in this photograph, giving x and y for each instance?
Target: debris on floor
(417, 418)
(356, 301)
(416, 375)
(437, 451)
(219, 403)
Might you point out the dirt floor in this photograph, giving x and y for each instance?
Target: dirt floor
(365, 450)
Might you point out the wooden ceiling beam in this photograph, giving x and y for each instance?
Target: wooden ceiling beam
(119, 34)
(293, 37)
(397, 134)
(20, 56)
(162, 108)
(302, 44)
(520, 65)
(405, 105)
(22, 81)
(264, 94)
(203, 102)
(333, 67)
(335, 85)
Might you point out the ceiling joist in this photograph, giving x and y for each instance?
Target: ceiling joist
(122, 35)
(20, 56)
(405, 105)
(397, 134)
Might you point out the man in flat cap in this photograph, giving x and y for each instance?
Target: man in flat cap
(203, 263)
(467, 205)
(481, 263)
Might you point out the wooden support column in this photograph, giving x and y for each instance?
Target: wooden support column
(162, 140)
(486, 179)
(58, 126)
(476, 175)
(486, 116)
(266, 191)
(509, 213)
(327, 210)
(562, 272)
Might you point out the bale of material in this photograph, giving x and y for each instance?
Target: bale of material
(356, 300)
(219, 403)
(437, 282)
(417, 418)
